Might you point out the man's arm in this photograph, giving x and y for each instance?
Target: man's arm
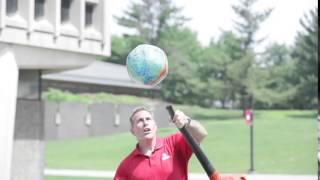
(194, 127)
(197, 130)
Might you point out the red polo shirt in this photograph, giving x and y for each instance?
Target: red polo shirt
(169, 161)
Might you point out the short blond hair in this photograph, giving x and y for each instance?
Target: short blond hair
(138, 109)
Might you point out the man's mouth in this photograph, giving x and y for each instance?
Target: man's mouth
(146, 130)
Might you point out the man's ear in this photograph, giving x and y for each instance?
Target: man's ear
(131, 130)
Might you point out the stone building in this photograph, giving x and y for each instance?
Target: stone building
(38, 37)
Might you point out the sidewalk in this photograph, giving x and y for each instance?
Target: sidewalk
(195, 176)
(280, 177)
(192, 176)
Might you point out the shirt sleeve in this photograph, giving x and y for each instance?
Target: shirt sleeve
(181, 145)
(120, 173)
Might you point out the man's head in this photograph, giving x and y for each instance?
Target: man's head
(143, 125)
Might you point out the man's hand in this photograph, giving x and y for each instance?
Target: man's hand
(217, 176)
(194, 127)
(180, 119)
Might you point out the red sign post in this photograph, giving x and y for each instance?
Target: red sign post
(248, 116)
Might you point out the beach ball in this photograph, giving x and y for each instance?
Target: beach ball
(147, 64)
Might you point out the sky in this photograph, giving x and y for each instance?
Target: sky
(209, 17)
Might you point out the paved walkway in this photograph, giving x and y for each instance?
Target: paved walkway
(192, 176)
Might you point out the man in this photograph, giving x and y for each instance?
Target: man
(158, 158)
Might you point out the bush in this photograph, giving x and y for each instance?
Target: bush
(57, 95)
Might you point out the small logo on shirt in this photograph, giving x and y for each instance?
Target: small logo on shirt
(165, 156)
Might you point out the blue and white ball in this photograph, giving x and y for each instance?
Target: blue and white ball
(147, 64)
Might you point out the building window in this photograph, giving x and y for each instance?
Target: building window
(89, 13)
(39, 9)
(12, 7)
(65, 10)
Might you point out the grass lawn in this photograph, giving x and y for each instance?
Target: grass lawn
(285, 142)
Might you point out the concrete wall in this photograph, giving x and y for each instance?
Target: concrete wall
(76, 120)
(28, 146)
(103, 119)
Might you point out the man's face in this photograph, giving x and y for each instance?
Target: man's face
(143, 125)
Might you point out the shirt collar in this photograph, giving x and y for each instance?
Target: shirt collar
(159, 145)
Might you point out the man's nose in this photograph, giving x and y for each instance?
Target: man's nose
(145, 122)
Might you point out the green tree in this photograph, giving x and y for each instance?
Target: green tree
(273, 87)
(183, 51)
(149, 18)
(246, 27)
(249, 22)
(159, 22)
(215, 67)
(121, 46)
(306, 53)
